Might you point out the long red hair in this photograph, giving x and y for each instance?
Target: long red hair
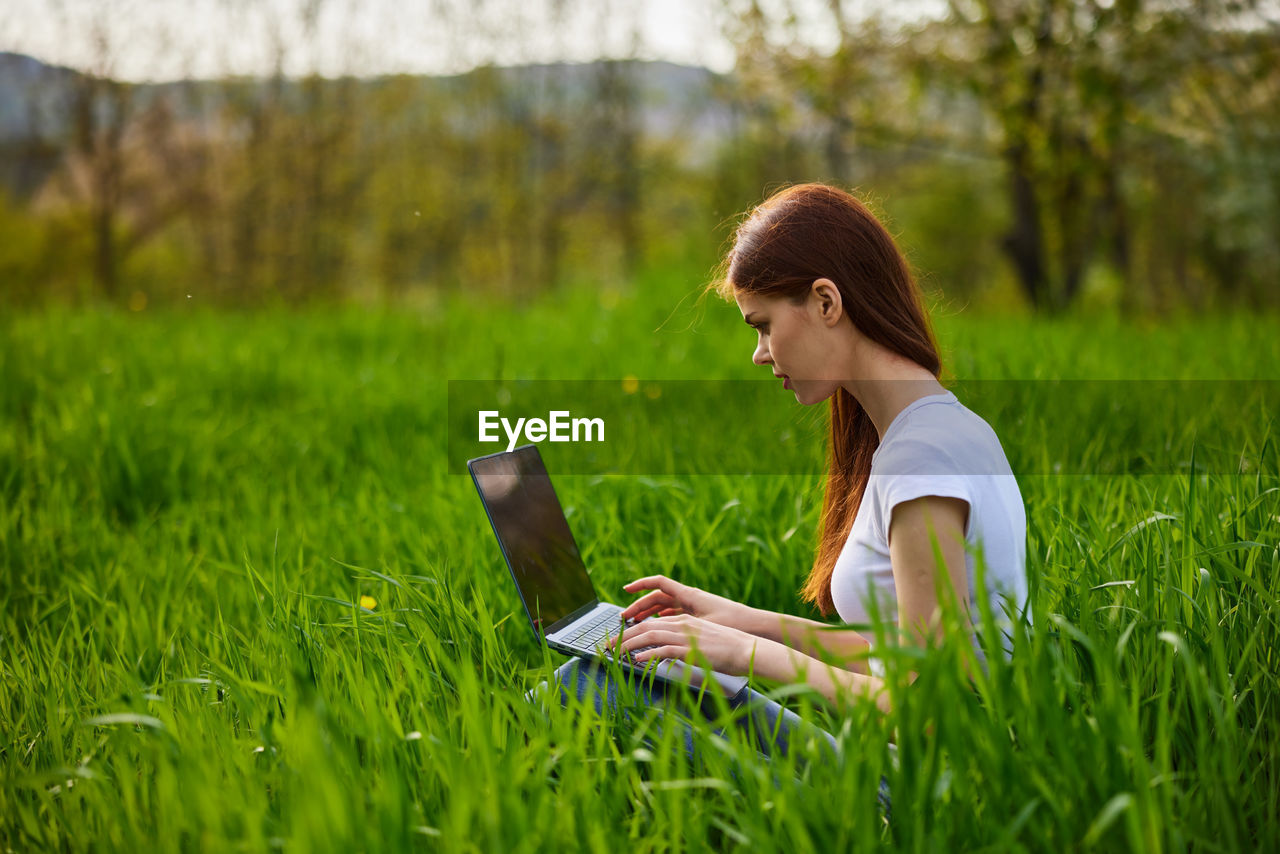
(814, 231)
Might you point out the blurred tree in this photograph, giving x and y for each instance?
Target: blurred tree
(614, 156)
(1079, 91)
(100, 110)
(421, 206)
(849, 110)
(1229, 107)
(289, 183)
(129, 165)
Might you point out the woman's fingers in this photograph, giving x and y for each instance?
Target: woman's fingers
(655, 636)
(640, 615)
(660, 652)
(649, 612)
(650, 603)
(653, 582)
(665, 639)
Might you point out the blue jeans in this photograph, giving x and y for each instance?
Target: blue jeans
(770, 728)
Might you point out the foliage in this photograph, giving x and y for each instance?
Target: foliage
(1048, 153)
(1106, 120)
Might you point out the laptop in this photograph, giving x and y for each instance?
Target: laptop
(549, 574)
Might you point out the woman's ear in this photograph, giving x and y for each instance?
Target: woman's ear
(830, 304)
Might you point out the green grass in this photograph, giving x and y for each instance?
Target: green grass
(191, 504)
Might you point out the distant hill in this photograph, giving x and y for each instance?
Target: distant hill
(33, 109)
(35, 103)
(32, 97)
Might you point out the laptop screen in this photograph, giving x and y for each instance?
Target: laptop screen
(534, 535)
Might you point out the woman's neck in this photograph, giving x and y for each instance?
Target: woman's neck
(886, 383)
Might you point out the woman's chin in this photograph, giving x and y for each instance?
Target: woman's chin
(808, 397)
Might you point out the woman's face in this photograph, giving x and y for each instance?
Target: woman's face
(795, 340)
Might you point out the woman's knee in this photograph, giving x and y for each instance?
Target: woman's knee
(589, 681)
(778, 730)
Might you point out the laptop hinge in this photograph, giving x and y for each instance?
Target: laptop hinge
(560, 624)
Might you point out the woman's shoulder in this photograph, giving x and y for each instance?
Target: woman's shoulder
(943, 437)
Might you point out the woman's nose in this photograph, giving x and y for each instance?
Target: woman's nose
(761, 355)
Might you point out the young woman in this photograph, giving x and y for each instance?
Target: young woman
(838, 317)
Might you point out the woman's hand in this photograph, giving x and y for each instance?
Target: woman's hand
(670, 598)
(724, 649)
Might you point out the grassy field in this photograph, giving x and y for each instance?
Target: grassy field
(193, 504)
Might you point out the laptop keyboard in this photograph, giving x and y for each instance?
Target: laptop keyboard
(594, 632)
(604, 627)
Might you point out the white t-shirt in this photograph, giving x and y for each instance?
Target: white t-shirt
(936, 446)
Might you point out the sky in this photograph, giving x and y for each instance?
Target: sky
(172, 39)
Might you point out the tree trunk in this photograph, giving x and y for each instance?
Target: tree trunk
(1076, 224)
(1024, 242)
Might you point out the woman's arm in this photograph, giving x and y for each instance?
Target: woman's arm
(818, 641)
(781, 663)
(669, 597)
(925, 535)
(916, 557)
